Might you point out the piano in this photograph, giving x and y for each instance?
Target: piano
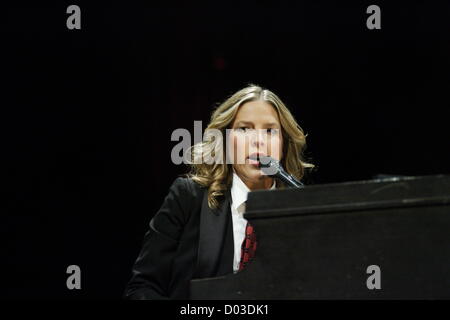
(375, 239)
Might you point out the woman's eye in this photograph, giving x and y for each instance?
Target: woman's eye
(272, 130)
(243, 129)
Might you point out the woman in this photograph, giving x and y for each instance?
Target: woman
(200, 231)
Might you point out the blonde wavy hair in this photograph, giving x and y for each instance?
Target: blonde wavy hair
(217, 177)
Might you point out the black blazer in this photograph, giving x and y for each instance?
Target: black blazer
(186, 240)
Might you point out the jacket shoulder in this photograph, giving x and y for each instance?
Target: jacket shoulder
(189, 192)
(187, 184)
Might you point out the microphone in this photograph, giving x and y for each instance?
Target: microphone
(272, 167)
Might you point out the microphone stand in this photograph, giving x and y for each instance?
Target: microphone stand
(273, 167)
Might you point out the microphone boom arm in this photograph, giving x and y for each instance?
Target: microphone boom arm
(273, 167)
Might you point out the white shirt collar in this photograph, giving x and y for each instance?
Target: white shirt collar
(239, 191)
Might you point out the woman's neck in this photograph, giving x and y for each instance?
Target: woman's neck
(264, 183)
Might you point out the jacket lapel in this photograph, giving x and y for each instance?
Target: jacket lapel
(215, 249)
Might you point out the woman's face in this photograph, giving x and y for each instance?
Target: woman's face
(255, 130)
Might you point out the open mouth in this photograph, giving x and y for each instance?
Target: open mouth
(255, 159)
(254, 162)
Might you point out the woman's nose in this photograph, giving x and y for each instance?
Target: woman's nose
(259, 137)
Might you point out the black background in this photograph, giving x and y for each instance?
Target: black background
(87, 115)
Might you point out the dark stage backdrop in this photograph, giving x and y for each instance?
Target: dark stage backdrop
(87, 115)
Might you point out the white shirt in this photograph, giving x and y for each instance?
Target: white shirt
(239, 192)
